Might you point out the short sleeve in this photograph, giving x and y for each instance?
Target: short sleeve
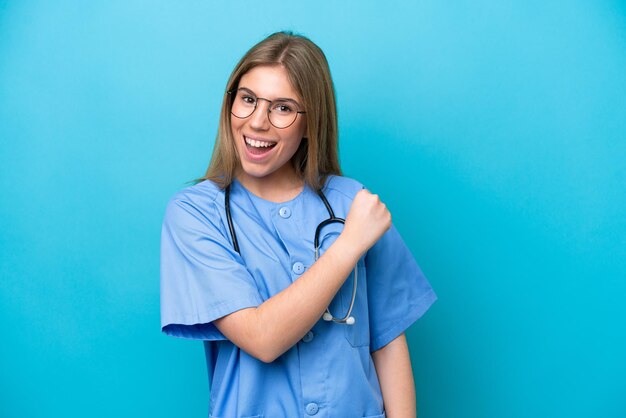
(202, 277)
(398, 293)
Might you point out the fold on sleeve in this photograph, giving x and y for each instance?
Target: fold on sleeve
(202, 277)
(398, 292)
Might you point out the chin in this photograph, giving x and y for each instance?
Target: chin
(255, 173)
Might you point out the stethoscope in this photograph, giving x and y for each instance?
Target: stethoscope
(348, 319)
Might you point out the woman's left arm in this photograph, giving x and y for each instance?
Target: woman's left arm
(393, 366)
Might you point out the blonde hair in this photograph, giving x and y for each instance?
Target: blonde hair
(308, 73)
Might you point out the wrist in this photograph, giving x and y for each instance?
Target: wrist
(349, 248)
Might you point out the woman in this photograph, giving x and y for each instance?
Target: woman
(239, 268)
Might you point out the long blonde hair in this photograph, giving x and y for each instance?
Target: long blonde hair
(308, 73)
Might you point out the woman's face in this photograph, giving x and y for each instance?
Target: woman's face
(265, 151)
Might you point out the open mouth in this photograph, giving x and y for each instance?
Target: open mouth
(258, 147)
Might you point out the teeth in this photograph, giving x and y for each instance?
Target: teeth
(258, 144)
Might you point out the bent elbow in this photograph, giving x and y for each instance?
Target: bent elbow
(265, 358)
(251, 334)
(265, 354)
(264, 348)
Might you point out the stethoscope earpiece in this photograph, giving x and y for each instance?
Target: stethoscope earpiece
(349, 320)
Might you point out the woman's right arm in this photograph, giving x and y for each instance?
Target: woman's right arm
(267, 331)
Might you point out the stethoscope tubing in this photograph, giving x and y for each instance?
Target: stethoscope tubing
(229, 218)
(348, 318)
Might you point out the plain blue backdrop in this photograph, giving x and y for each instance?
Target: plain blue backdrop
(494, 130)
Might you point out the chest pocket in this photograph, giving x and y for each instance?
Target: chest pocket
(357, 334)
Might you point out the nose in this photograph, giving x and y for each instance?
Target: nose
(259, 119)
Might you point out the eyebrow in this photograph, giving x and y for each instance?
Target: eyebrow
(289, 99)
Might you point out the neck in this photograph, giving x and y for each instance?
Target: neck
(277, 187)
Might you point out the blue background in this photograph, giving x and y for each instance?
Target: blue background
(494, 130)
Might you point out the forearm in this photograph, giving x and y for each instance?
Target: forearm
(393, 366)
(277, 324)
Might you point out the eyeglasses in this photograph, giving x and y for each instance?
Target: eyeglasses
(282, 113)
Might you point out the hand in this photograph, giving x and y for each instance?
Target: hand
(367, 220)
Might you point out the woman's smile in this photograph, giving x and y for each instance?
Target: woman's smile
(258, 147)
(265, 151)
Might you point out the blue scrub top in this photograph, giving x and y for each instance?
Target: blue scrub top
(329, 373)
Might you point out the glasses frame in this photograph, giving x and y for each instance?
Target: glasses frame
(232, 94)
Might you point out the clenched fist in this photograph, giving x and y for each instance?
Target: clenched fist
(367, 220)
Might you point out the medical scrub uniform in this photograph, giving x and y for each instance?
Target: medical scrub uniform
(329, 372)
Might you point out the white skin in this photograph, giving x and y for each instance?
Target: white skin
(270, 329)
(272, 177)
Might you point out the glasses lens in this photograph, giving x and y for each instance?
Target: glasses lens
(283, 113)
(243, 104)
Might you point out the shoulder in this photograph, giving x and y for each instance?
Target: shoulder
(343, 185)
(197, 200)
(204, 192)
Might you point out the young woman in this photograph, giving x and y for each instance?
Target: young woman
(301, 314)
